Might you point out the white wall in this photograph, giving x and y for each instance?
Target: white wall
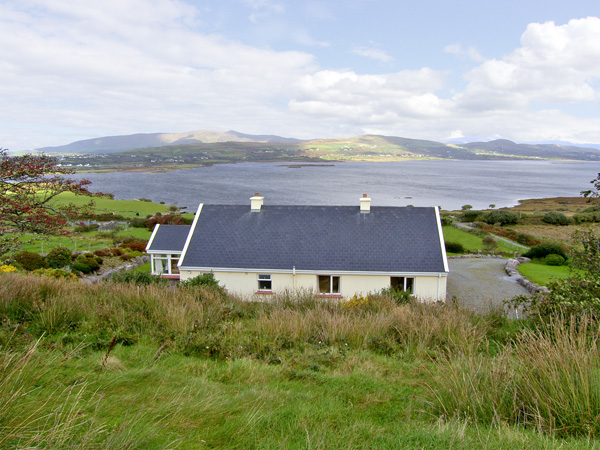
(426, 288)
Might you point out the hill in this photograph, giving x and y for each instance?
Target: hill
(113, 144)
(166, 151)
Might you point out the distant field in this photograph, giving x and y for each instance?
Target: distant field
(126, 208)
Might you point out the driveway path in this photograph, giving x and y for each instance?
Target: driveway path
(480, 284)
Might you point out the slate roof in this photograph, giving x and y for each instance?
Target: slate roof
(169, 238)
(327, 238)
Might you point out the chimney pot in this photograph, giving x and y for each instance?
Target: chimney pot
(365, 204)
(256, 202)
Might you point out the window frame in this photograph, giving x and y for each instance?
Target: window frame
(408, 284)
(264, 278)
(331, 284)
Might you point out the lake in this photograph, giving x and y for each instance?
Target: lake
(449, 184)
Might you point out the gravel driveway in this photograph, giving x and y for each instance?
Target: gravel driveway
(480, 284)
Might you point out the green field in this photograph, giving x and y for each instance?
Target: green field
(542, 274)
(473, 243)
(125, 208)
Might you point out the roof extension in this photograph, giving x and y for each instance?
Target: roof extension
(168, 238)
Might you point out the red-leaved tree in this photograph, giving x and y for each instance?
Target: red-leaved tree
(28, 186)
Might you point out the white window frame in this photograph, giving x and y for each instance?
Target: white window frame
(170, 259)
(265, 278)
(330, 292)
(412, 291)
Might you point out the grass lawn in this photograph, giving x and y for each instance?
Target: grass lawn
(90, 241)
(473, 243)
(541, 274)
(125, 208)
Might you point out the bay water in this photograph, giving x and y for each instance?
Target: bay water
(449, 184)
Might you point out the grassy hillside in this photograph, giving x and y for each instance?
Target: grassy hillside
(121, 366)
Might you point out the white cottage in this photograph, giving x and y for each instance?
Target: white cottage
(335, 251)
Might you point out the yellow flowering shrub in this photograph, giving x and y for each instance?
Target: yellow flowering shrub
(8, 268)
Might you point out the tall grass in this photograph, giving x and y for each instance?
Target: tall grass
(548, 378)
(545, 378)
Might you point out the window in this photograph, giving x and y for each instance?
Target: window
(402, 284)
(328, 284)
(264, 282)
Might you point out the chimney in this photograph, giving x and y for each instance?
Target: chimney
(256, 202)
(365, 204)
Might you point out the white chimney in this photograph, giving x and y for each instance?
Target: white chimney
(365, 204)
(256, 202)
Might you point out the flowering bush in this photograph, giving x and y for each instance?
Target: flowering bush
(7, 268)
(55, 273)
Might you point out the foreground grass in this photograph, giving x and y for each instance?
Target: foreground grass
(541, 274)
(122, 366)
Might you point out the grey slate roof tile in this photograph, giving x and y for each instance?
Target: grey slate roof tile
(332, 238)
(170, 238)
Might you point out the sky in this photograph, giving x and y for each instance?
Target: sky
(525, 70)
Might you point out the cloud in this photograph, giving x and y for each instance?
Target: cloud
(471, 53)
(555, 64)
(373, 53)
(263, 8)
(77, 69)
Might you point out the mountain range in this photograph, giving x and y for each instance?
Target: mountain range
(373, 147)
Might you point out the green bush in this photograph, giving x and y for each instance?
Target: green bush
(204, 280)
(502, 217)
(454, 247)
(555, 218)
(400, 297)
(30, 261)
(542, 250)
(470, 216)
(89, 261)
(79, 266)
(130, 276)
(589, 216)
(59, 257)
(554, 260)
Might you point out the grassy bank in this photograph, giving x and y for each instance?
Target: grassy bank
(123, 366)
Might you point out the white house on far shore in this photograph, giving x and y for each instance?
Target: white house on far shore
(335, 251)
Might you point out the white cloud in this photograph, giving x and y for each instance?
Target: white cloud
(555, 64)
(373, 53)
(73, 69)
(471, 53)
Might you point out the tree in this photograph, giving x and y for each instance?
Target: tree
(595, 192)
(28, 186)
(466, 207)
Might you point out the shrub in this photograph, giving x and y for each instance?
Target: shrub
(79, 266)
(446, 220)
(206, 279)
(138, 223)
(7, 268)
(399, 297)
(55, 273)
(489, 243)
(59, 257)
(555, 218)
(470, 216)
(90, 262)
(126, 256)
(554, 260)
(137, 246)
(542, 250)
(30, 261)
(501, 216)
(454, 247)
(130, 276)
